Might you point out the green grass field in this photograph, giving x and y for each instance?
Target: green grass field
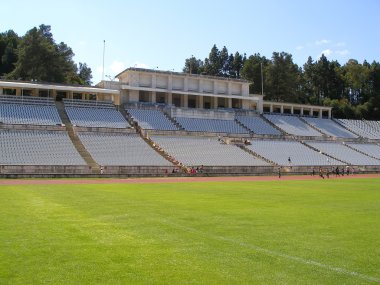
(268, 232)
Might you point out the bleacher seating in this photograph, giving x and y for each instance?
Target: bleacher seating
(37, 148)
(151, 119)
(94, 114)
(28, 110)
(258, 125)
(329, 127)
(344, 153)
(299, 154)
(210, 125)
(364, 129)
(292, 125)
(121, 149)
(368, 148)
(207, 151)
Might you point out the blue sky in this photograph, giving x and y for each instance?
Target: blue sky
(164, 33)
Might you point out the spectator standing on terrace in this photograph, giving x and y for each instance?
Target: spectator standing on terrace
(101, 169)
(279, 172)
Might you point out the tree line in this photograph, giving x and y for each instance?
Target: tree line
(36, 56)
(352, 89)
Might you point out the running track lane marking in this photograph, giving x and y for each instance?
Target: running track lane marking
(273, 253)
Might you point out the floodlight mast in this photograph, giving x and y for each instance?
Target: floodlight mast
(262, 79)
(104, 51)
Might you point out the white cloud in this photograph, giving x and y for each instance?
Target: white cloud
(140, 65)
(116, 67)
(340, 44)
(300, 47)
(99, 70)
(342, 52)
(322, 42)
(326, 52)
(82, 43)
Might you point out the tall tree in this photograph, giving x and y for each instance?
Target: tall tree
(193, 65)
(356, 77)
(282, 78)
(40, 58)
(8, 56)
(252, 71)
(212, 64)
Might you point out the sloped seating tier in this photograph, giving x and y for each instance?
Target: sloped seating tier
(36, 114)
(29, 100)
(292, 125)
(207, 151)
(96, 117)
(329, 127)
(366, 129)
(344, 153)
(121, 149)
(152, 119)
(211, 125)
(299, 154)
(88, 103)
(367, 148)
(37, 148)
(258, 125)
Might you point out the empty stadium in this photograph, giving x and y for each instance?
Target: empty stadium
(158, 123)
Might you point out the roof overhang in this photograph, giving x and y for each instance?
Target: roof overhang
(79, 89)
(128, 87)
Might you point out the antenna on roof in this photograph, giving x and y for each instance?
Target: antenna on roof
(104, 51)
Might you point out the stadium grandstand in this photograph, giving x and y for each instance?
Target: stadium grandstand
(154, 123)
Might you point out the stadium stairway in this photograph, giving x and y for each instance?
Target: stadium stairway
(317, 150)
(126, 115)
(257, 155)
(243, 126)
(178, 125)
(313, 127)
(95, 168)
(274, 125)
(355, 149)
(345, 127)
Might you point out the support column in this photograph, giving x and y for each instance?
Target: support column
(229, 103)
(311, 112)
(170, 83)
(170, 98)
(153, 97)
(320, 113)
(18, 92)
(35, 92)
(329, 113)
(200, 102)
(53, 93)
(215, 102)
(1, 91)
(271, 108)
(292, 110)
(185, 101)
(282, 109)
(260, 107)
(186, 84)
(301, 111)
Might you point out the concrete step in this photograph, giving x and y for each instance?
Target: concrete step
(95, 168)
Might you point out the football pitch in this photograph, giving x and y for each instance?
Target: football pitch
(250, 232)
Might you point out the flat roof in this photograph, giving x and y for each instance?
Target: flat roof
(182, 74)
(56, 86)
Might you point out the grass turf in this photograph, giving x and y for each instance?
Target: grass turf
(287, 232)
